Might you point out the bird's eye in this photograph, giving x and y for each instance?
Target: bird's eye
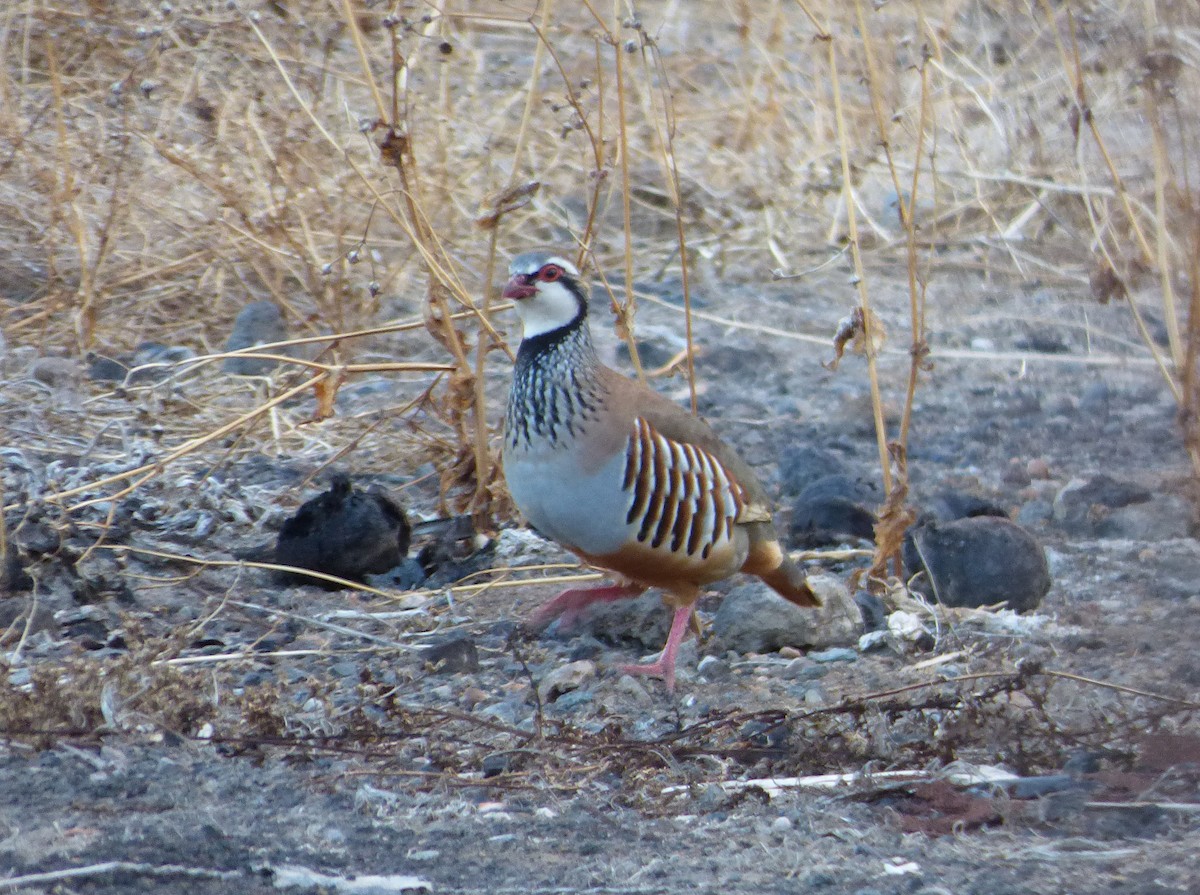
(550, 273)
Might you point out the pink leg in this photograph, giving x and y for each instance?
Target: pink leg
(664, 667)
(568, 605)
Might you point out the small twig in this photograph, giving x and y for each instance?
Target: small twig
(1121, 688)
(110, 867)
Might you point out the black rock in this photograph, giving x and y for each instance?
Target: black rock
(105, 369)
(12, 574)
(980, 561)
(156, 353)
(802, 464)
(946, 506)
(831, 509)
(259, 323)
(1044, 343)
(452, 656)
(344, 532)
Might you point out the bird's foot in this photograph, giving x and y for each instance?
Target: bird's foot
(569, 605)
(660, 668)
(664, 665)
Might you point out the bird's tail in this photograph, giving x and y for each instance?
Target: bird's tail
(787, 579)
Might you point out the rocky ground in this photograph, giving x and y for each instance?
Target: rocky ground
(175, 721)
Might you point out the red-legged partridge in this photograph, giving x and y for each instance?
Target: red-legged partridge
(620, 475)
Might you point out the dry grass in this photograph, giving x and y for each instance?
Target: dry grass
(369, 165)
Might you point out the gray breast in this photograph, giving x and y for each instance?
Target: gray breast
(583, 510)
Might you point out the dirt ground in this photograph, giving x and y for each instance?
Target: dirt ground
(175, 718)
(341, 750)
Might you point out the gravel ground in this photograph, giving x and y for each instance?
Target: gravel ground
(209, 728)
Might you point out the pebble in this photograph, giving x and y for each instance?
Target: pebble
(1038, 468)
(564, 679)
(1016, 473)
(259, 323)
(568, 702)
(782, 824)
(713, 668)
(508, 711)
(982, 560)
(473, 696)
(56, 372)
(805, 669)
(453, 656)
(834, 654)
(344, 532)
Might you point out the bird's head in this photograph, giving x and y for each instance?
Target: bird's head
(547, 291)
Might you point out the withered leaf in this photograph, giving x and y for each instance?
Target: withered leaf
(1106, 284)
(499, 204)
(852, 331)
(326, 392)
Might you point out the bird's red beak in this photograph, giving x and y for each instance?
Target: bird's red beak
(519, 287)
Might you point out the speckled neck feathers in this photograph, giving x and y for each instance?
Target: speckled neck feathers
(555, 389)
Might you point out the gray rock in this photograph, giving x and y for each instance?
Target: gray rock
(1083, 504)
(753, 618)
(642, 621)
(981, 561)
(259, 323)
(1164, 517)
(564, 679)
(1035, 514)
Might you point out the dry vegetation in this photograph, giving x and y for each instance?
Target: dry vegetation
(362, 164)
(370, 166)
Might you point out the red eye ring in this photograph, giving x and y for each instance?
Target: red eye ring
(550, 273)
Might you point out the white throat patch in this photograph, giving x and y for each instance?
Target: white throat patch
(553, 307)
